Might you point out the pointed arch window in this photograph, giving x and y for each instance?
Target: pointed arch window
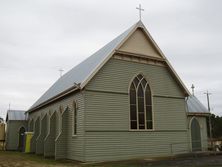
(140, 104)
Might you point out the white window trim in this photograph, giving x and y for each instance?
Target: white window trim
(153, 124)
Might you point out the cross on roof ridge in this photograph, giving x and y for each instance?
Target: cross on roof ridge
(140, 10)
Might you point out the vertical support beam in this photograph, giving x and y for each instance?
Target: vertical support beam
(210, 124)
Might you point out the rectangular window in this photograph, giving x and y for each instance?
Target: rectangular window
(75, 119)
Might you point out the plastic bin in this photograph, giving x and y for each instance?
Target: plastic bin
(28, 137)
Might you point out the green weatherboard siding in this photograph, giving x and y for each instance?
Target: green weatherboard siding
(12, 134)
(60, 143)
(108, 136)
(116, 75)
(49, 141)
(103, 129)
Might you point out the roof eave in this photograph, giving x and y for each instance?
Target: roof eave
(186, 91)
(198, 114)
(64, 93)
(99, 66)
(90, 76)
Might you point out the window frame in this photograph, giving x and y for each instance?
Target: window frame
(31, 125)
(60, 112)
(151, 95)
(75, 120)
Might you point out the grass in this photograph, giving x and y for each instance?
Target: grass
(11, 158)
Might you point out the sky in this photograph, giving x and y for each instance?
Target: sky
(37, 38)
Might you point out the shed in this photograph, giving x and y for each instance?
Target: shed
(16, 125)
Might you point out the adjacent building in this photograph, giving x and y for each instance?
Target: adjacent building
(16, 125)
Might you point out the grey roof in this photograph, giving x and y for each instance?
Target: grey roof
(195, 106)
(18, 115)
(83, 72)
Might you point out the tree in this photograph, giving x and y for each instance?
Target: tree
(216, 123)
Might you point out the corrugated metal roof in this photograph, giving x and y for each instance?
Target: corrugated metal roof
(18, 115)
(83, 72)
(195, 106)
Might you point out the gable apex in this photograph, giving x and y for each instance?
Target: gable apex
(79, 76)
(139, 43)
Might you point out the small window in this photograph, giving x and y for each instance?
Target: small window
(31, 124)
(60, 118)
(140, 104)
(74, 118)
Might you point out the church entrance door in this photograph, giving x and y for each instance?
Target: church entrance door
(195, 135)
(21, 139)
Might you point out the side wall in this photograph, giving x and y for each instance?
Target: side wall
(49, 141)
(12, 136)
(108, 134)
(74, 144)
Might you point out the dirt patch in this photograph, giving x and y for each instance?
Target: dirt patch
(18, 159)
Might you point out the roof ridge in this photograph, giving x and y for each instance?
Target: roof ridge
(82, 73)
(84, 69)
(195, 106)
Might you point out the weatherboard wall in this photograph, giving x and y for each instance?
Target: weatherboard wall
(107, 129)
(43, 132)
(49, 141)
(73, 144)
(139, 43)
(12, 133)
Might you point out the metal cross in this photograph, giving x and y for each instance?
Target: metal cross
(61, 71)
(140, 10)
(192, 87)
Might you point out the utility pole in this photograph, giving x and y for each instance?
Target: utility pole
(210, 124)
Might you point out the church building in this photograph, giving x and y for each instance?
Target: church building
(125, 101)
